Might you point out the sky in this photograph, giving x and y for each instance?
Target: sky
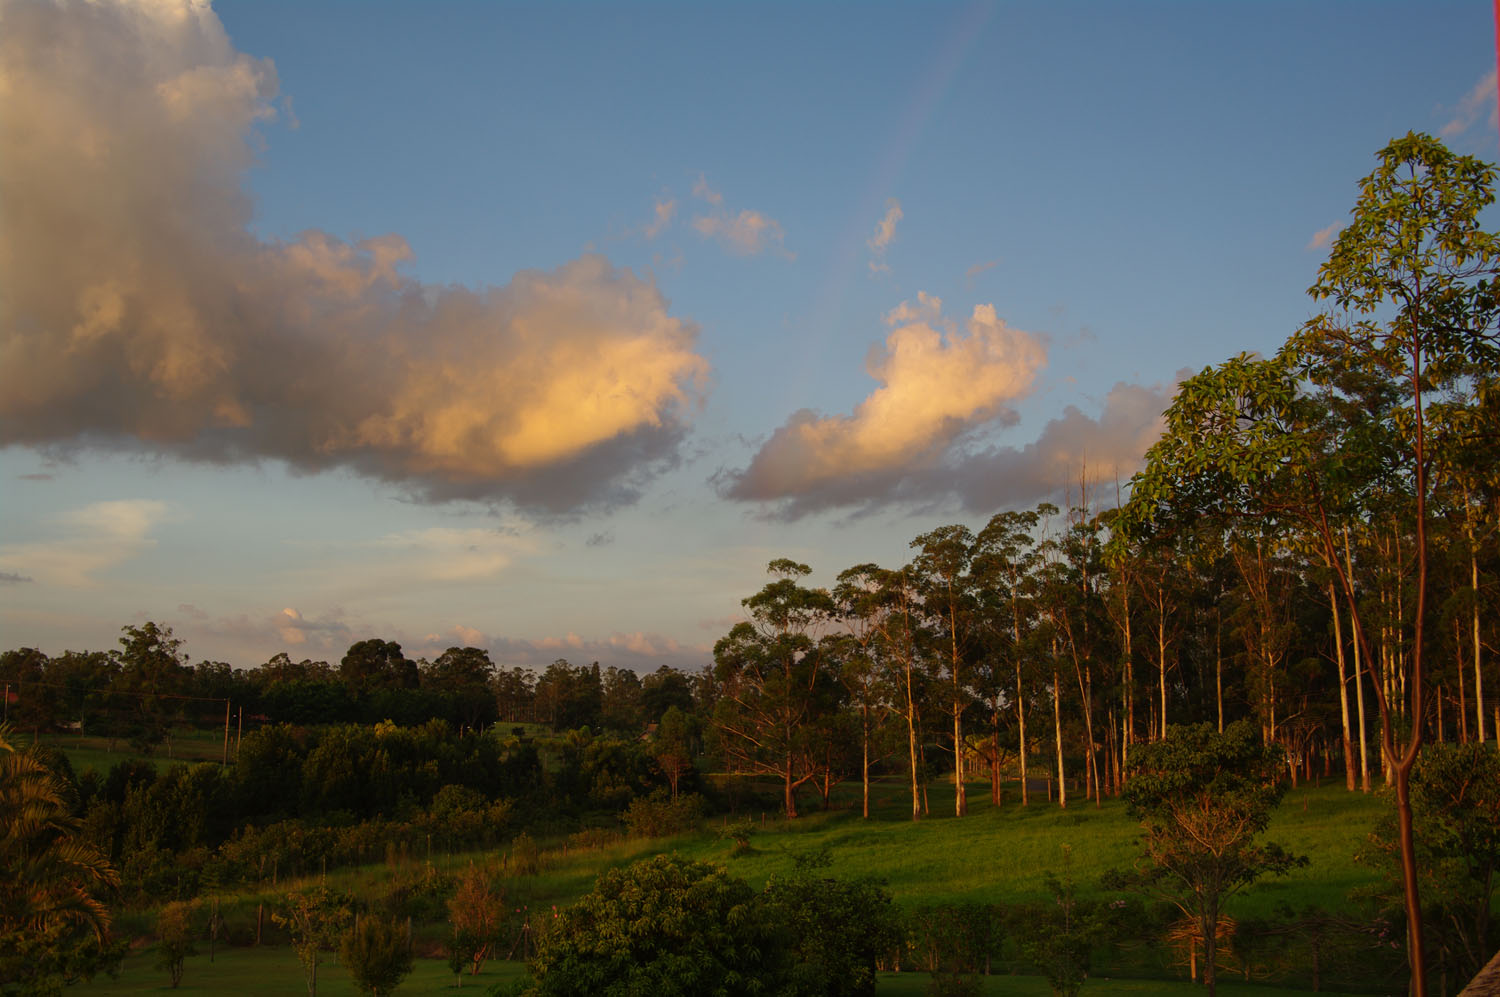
(543, 328)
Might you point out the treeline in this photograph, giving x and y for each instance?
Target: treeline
(300, 800)
(148, 687)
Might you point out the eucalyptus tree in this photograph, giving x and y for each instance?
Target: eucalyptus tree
(858, 653)
(1413, 281)
(882, 609)
(1006, 560)
(774, 685)
(947, 597)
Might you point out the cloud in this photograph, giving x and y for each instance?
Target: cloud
(1105, 447)
(885, 234)
(11, 578)
(937, 384)
(447, 554)
(666, 210)
(980, 268)
(90, 540)
(747, 233)
(603, 539)
(1478, 103)
(1323, 237)
(328, 634)
(140, 312)
(637, 650)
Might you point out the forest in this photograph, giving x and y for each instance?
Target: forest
(1298, 589)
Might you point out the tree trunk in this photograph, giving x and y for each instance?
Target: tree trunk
(1359, 681)
(911, 740)
(864, 770)
(1474, 584)
(1062, 785)
(1338, 645)
(1021, 723)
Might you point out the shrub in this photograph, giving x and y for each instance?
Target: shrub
(377, 955)
(659, 815)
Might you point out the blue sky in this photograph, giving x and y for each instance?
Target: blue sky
(545, 327)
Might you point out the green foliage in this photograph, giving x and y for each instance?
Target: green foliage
(377, 955)
(478, 914)
(664, 925)
(1060, 938)
(1456, 814)
(659, 814)
(174, 937)
(314, 919)
(1203, 798)
(54, 922)
(836, 931)
(956, 938)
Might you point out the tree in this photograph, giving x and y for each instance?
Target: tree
(375, 664)
(1456, 808)
(1334, 428)
(54, 924)
(663, 689)
(620, 701)
(462, 674)
(1414, 280)
(943, 567)
(377, 954)
(315, 921)
(673, 745)
(477, 911)
(773, 681)
(664, 925)
(1060, 937)
(1203, 798)
(837, 930)
(1006, 560)
(153, 668)
(174, 937)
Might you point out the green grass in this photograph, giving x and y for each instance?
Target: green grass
(99, 753)
(991, 855)
(1002, 855)
(277, 971)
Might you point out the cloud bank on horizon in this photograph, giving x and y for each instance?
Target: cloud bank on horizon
(141, 312)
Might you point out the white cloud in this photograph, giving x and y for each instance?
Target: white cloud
(937, 383)
(140, 311)
(91, 540)
(1479, 103)
(885, 234)
(447, 554)
(746, 233)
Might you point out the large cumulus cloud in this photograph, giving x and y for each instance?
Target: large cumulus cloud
(137, 309)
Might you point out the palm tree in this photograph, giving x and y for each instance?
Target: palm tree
(51, 878)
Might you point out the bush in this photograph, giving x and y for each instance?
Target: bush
(836, 931)
(664, 925)
(658, 815)
(174, 938)
(377, 955)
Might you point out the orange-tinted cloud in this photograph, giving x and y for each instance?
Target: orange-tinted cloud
(937, 384)
(746, 233)
(140, 311)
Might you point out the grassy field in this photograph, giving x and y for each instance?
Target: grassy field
(88, 751)
(276, 971)
(992, 855)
